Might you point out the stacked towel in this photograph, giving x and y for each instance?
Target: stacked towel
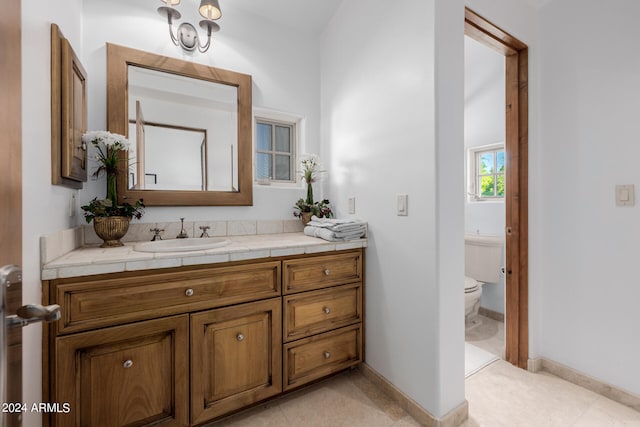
(335, 230)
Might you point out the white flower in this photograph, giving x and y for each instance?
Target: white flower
(310, 167)
(110, 140)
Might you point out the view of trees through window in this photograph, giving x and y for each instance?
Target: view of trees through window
(490, 168)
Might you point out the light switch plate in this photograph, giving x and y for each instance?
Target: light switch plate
(625, 195)
(403, 204)
(351, 202)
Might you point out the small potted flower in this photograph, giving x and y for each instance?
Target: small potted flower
(306, 208)
(110, 220)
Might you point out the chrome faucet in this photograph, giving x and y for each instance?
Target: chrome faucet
(204, 229)
(156, 235)
(183, 234)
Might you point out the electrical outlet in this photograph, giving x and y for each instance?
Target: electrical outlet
(351, 202)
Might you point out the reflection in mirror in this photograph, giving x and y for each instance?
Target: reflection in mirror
(190, 125)
(183, 132)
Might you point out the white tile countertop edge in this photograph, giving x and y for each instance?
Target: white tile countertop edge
(91, 260)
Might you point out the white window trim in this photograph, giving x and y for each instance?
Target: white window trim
(286, 118)
(472, 193)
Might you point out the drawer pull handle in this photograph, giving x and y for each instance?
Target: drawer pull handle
(240, 337)
(327, 355)
(326, 310)
(127, 364)
(189, 292)
(327, 271)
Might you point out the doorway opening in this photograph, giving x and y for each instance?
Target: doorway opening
(513, 183)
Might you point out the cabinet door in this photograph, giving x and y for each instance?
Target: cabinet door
(129, 375)
(236, 357)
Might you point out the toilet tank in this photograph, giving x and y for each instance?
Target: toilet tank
(483, 257)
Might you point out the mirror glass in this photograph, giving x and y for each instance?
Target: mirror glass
(190, 128)
(183, 132)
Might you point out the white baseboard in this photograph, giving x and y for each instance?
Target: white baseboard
(583, 380)
(534, 365)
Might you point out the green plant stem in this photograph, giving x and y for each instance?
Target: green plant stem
(112, 192)
(309, 200)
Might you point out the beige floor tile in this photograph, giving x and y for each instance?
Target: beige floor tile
(503, 395)
(268, 415)
(338, 402)
(499, 395)
(406, 422)
(607, 413)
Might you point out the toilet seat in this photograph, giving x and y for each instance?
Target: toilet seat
(470, 285)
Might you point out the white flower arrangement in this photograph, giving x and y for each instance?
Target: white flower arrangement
(111, 141)
(310, 165)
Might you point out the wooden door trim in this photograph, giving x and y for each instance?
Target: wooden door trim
(517, 182)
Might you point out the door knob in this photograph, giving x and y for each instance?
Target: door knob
(33, 313)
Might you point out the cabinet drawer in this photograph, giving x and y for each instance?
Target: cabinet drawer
(306, 274)
(104, 302)
(313, 312)
(315, 357)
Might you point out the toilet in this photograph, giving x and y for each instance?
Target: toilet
(483, 262)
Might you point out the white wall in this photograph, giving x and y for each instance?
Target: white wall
(379, 104)
(588, 275)
(44, 207)
(284, 65)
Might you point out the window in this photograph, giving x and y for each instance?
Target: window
(486, 172)
(275, 151)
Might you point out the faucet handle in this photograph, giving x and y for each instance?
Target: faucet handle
(156, 235)
(204, 229)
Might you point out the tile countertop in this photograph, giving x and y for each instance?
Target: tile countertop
(91, 260)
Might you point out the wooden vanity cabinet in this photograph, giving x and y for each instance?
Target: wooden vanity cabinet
(185, 346)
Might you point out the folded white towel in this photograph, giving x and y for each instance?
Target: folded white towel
(332, 236)
(335, 224)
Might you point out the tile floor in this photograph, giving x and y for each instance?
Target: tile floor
(346, 400)
(499, 395)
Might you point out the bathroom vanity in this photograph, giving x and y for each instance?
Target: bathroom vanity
(185, 345)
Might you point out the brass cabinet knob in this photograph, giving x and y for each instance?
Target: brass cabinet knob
(127, 364)
(326, 310)
(327, 355)
(240, 337)
(188, 292)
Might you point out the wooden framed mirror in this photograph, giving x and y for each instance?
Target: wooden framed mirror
(190, 129)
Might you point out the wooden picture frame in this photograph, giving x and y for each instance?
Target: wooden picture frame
(68, 113)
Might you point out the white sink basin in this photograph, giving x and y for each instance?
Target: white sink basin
(181, 245)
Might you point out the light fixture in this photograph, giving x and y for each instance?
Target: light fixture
(186, 35)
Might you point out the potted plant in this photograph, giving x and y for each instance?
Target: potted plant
(110, 220)
(305, 208)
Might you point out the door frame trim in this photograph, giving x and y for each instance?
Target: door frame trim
(516, 181)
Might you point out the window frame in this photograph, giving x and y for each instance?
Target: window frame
(295, 123)
(473, 171)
